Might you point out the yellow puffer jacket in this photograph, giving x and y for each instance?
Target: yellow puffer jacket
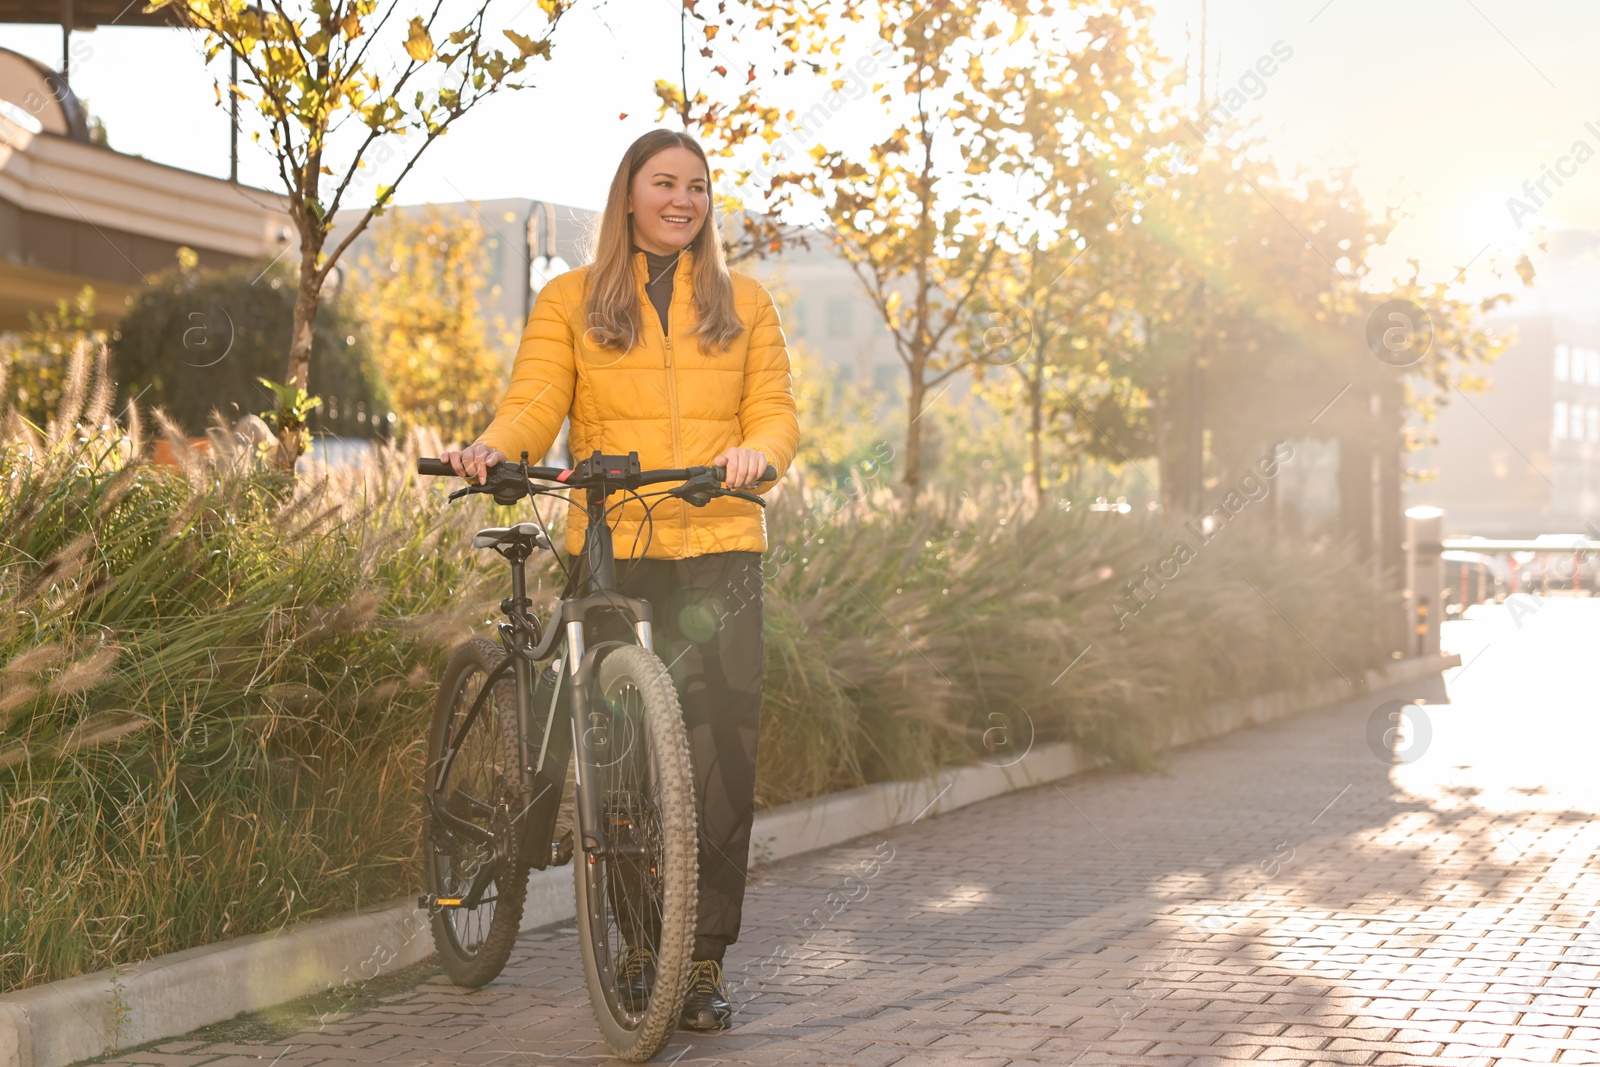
(666, 399)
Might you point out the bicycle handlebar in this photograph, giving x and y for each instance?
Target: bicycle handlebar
(439, 467)
(569, 476)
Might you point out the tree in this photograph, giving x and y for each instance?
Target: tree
(1238, 332)
(418, 295)
(911, 220)
(917, 219)
(1051, 314)
(196, 341)
(1254, 303)
(311, 72)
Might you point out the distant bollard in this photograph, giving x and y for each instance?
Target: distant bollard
(1399, 731)
(1424, 578)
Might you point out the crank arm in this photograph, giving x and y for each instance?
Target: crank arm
(481, 882)
(461, 827)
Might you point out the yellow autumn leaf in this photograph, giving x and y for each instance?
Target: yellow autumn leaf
(526, 45)
(419, 46)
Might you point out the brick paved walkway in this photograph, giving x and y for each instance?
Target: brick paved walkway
(1282, 894)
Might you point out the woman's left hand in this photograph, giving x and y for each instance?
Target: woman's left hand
(745, 466)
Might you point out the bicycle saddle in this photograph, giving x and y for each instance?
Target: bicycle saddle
(495, 536)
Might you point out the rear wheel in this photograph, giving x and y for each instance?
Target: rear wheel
(471, 790)
(636, 902)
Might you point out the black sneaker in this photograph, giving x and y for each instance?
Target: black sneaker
(706, 1006)
(636, 979)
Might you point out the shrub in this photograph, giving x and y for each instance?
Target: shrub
(196, 341)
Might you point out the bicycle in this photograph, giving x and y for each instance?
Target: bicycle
(500, 749)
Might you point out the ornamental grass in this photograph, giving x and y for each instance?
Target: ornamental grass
(216, 679)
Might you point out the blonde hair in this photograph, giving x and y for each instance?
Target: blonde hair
(615, 318)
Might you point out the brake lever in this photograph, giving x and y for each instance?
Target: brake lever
(697, 490)
(470, 488)
(742, 495)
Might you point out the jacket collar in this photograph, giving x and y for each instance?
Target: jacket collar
(641, 268)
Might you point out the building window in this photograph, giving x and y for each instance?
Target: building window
(839, 318)
(1560, 423)
(1561, 363)
(1594, 367)
(797, 319)
(1594, 424)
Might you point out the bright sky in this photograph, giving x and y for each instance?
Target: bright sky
(1446, 107)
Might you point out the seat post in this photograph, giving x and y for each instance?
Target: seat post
(519, 576)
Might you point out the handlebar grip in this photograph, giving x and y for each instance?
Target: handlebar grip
(770, 474)
(436, 467)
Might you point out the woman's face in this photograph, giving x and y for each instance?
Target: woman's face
(669, 201)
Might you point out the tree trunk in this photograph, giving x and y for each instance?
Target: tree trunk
(1035, 433)
(1355, 489)
(1161, 405)
(1194, 481)
(1180, 443)
(919, 389)
(298, 375)
(1393, 621)
(306, 303)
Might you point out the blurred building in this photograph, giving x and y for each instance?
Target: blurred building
(1524, 458)
(76, 213)
(824, 308)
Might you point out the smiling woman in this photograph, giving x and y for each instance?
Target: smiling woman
(657, 348)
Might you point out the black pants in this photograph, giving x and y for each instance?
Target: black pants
(706, 615)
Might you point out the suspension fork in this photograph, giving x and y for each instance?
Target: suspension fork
(592, 838)
(581, 663)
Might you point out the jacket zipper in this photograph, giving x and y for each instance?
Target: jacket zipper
(672, 404)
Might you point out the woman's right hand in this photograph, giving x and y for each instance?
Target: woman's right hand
(474, 461)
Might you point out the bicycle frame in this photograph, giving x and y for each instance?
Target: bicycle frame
(527, 648)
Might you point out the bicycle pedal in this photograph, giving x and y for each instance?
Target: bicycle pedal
(561, 851)
(428, 902)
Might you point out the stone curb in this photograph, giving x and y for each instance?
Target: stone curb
(62, 1023)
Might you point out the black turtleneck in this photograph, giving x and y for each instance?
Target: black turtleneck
(658, 281)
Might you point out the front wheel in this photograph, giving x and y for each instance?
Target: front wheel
(636, 895)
